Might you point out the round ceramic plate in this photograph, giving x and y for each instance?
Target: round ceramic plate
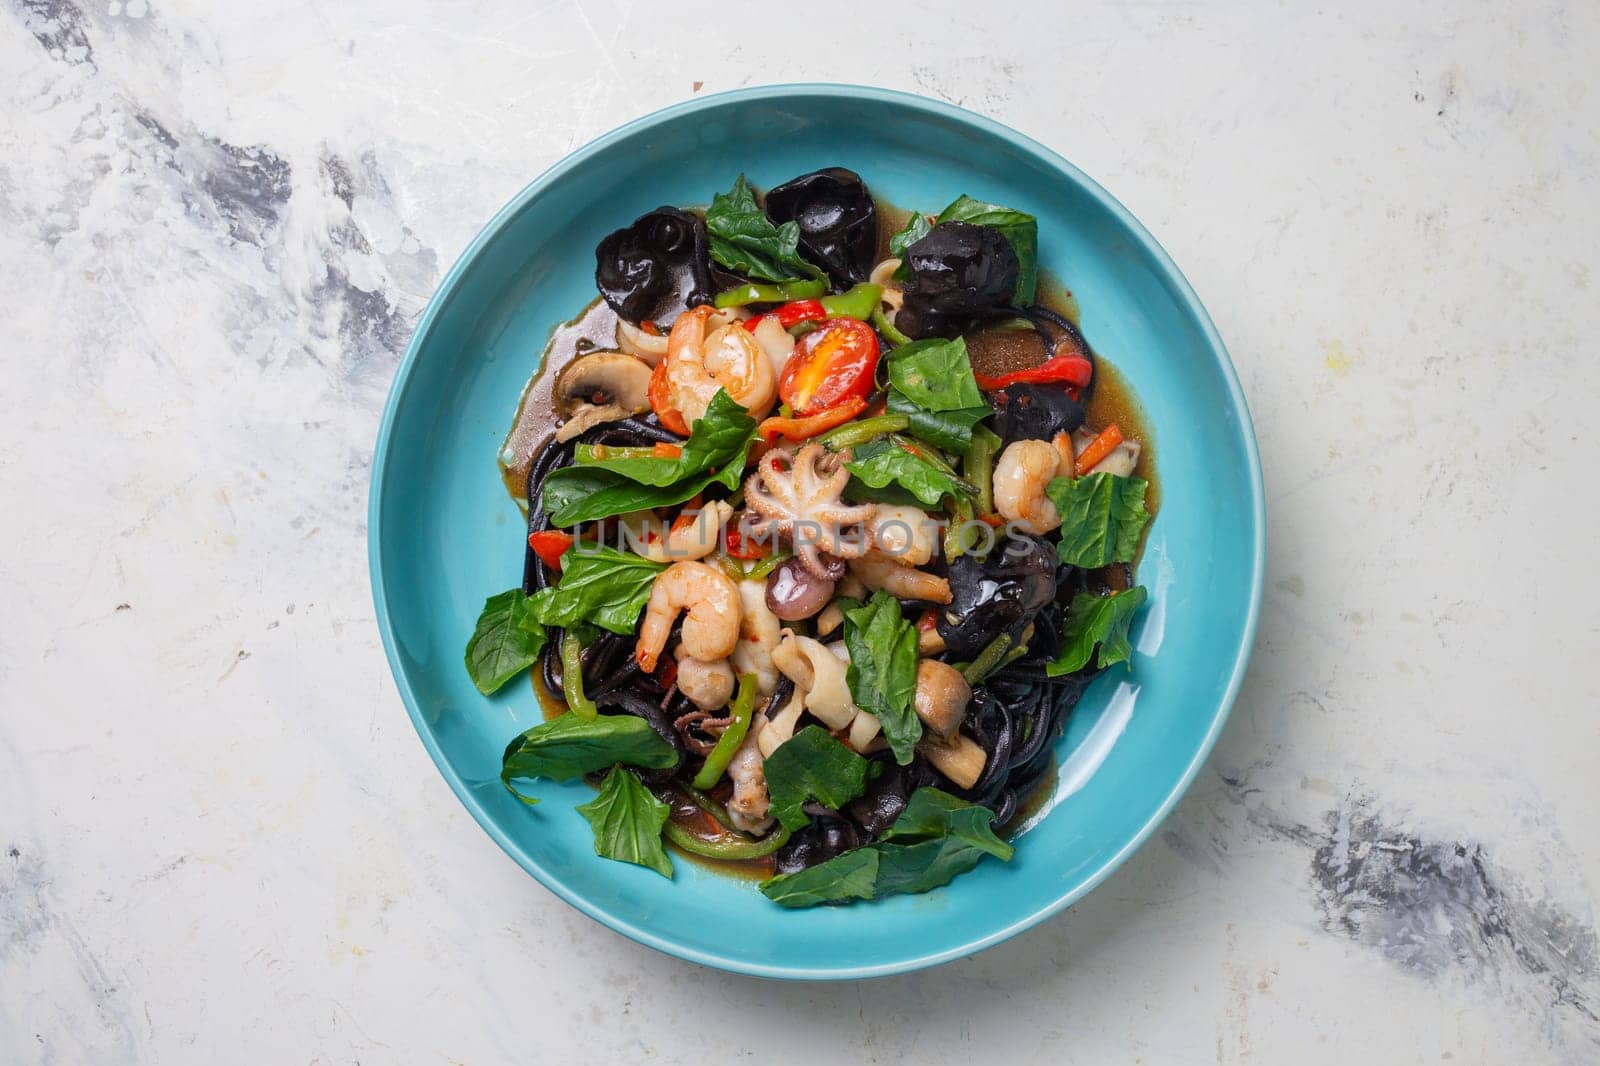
(445, 535)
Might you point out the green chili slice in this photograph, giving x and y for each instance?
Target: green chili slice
(572, 677)
(740, 295)
(885, 327)
(859, 301)
(734, 848)
(741, 710)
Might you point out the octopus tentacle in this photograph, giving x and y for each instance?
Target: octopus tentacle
(801, 497)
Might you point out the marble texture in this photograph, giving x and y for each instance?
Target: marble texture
(220, 840)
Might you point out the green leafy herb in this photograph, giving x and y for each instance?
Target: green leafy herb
(627, 822)
(916, 228)
(936, 839)
(883, 669)
(950, 430)
(599, 488)
(932, 812)
(569, 746)
(1102, 516)
(812, 765)
(853, 875)
(575, 494)
(506, 641)
(895, 461)
(936, 374)
(931, 382)
(717, 441)
(599, 585)
(744, 240)
(1096, 627)
(1018, 227)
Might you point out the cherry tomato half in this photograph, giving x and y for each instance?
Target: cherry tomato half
(833, 363)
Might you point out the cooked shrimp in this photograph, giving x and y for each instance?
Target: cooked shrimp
(711, 628)
(709, 685)
(699, 363)
(649, 536)
(906, 533)
(759, 632)
(747, 807)
(1024, 469)
(879, 571)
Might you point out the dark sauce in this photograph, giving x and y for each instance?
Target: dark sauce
(993, 351)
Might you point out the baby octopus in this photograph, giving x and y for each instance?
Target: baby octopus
(798, 497)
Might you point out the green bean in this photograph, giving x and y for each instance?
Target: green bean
(978, 466)
(988, 659)
(859, 432)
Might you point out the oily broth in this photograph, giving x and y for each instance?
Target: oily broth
(594, 329)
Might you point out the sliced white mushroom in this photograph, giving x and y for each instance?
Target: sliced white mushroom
(960, 759)
(941, 696)
(599, 387)
(651, 347)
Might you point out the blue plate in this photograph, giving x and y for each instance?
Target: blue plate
(445, 535)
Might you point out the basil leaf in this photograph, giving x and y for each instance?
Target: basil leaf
(881, 463)
(744, 240)
(1102, 516)
(717, 441)
(1018, 227)
(931, 383)
(627, 822)
(812, 765)
(599, 488)
(954, 837)
(599, 585)
(1096, 622)
(936, 374)
(950, 430)
(506, 641)
(883, 670)
(853, 875)
(932, 812)
(575, 494)
(912, 868)
(916, 228)
(569, 746)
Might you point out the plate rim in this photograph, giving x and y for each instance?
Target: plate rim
(445, 292)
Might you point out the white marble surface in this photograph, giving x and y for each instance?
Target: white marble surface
(220, 840)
